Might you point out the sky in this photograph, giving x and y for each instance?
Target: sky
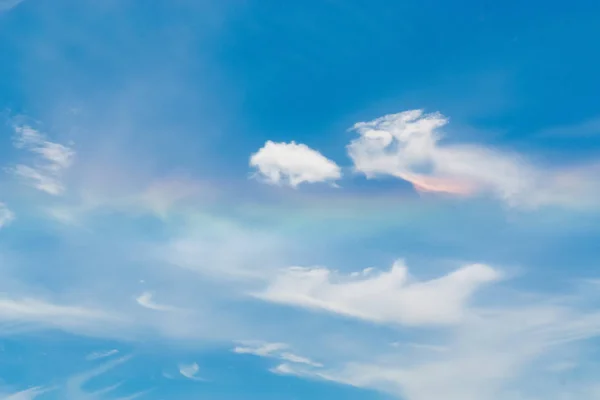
(257, 199)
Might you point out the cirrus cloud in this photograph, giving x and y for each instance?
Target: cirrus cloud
(50, 160)
(6, 215)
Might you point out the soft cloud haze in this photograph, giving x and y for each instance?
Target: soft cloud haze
(6, 216)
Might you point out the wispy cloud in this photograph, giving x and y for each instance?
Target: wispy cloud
(28, 394)
(146, 300)
(38, 312)
(101, 354)
(50, 160)
(388, 297)
(491, 355)
(280, 351)
(190, 371)
(261, 349)
(408, 146)
(223, 248)
(293, 164)
(6, 215)
(74, 386)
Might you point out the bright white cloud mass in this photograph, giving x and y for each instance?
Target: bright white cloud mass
(388, 297)
(409, 146)
(293, 164)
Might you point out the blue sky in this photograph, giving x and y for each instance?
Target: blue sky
(248, 200)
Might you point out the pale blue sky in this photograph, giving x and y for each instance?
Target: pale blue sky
(246, 200)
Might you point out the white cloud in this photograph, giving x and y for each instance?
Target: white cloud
(74, 387)
(407, 146)
(261, 349)
(495, 354)
(190, 371)
(293, 164)
(146, 300)
(49, 163)
(6, 215)
(389, 297)
(285, 369)
(49, 315)
(101, 354)
(28, 394)
(296, 359)
(278, 351)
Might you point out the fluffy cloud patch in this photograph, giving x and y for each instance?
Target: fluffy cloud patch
(293, 164)
(50, 160)
(388, 297)
(408, 146)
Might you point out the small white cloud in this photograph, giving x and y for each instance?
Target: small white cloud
(50, 160)
(293, 164)
(135, 395)
(146, 300)
(6, 215)
(190, 371)
(284, 369)
(260, 349)
(389, 297)
(101, 354)
(407, 146)
(296, 359)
